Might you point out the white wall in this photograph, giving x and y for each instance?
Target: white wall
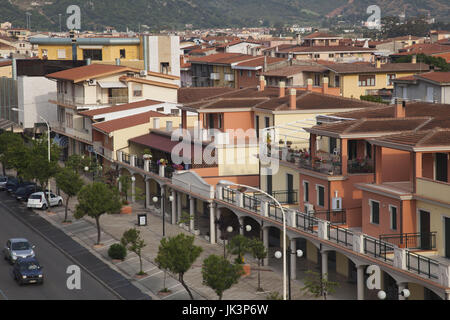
(33, 95)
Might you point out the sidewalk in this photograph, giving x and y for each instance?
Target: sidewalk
(113, 226)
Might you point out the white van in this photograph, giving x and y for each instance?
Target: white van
(37, 200)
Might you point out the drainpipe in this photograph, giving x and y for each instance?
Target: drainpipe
(14, 69)
(145, 51)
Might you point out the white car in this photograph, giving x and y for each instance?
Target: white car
(37, 200)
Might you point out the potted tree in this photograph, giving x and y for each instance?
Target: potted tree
(147, 154)
(239, 245)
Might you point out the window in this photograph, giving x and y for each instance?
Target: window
(69, 120)
(267, 119)
(257, 126)
(161, 109)
(316, 56)
(331, 55)
(219, 121)
(44, 52)
(393, 211)
(374, 212)
(165, 67)
(241, 73)
(366, 80)
(305, 191)
(320, 196)
(122, 54)
(249, 74)
(137, 90)
(93, 54)
(61, 53)
(389, 79)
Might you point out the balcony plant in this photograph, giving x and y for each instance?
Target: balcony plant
(147, 155)
(162, 162)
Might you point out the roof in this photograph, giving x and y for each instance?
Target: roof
(425, 48)
(258, 62)
(320, 35)
(370, 68)
(194, 94)
(437, 137)
(88, 72)
(149, 82)
(440, 77)
(371, 127)
(5, 63)
(312, 49)
(122, 107)
(293, 70)
(126, 122)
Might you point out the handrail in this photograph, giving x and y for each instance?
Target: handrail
(411, 256)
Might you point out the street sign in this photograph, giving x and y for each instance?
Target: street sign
(142, 220)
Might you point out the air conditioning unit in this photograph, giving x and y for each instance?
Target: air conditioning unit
(336, 204)
(309, 208)
(143, 73)
(92, 82)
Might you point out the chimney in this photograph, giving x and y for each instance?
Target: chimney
(262, 83)
(325, 85)
(282, 89)
(414, 59)
(400, 108)
(309, 84)
(292, 99)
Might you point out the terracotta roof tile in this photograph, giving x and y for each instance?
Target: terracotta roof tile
(190, 95)
(88, 72)
(387, 67)
(295, 69)
(122, 107)
(127, 122)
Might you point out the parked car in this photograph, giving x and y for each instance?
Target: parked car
(28, 270)
(18, 248)
(12, 183)
(23, 193)
(3, 181)
(37, 200)
(13, 189)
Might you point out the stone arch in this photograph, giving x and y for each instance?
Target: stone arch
(228, 217)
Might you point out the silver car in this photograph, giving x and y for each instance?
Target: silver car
(3, 181)
(18, 248)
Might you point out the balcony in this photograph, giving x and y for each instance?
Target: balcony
(325, 163)
(214, 76)
(363, 165)
(229, 77)
(117, 100)
(65, 99)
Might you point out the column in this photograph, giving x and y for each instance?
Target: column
(344, 156)
(148, 199)
(212, 223)
(312, 146)
(174, 207)
(219, 232)
(378, 165)
(241, 227)
(191, 213)
(179, 205)
(266, 244)
(133, 190)
(360, 281)
(163, 210)
(293, 254)
(324, 263)
(401, 286)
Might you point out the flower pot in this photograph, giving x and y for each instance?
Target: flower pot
(126, 210)
(247, 270)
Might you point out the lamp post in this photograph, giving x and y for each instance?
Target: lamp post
(155, 200)
(229, 183)
(404, 293)
(289, 252)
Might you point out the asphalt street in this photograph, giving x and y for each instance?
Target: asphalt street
(55, 264)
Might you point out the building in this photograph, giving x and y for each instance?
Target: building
(333, 53)
(247, 73)
(321, 39)
(429, 49)
(355, 80)
(430, 87)
(6, 68)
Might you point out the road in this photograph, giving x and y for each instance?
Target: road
(55, 264)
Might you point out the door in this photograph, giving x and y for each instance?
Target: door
(269, 181)
(447, 237)
(425, 240)
(290, 188)
(441, 167)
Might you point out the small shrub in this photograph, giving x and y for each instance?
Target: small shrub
(117, 251)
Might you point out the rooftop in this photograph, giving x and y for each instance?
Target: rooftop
(293, 70)
(88, 72)
(386, 67)
(122, 107)
(126, 122)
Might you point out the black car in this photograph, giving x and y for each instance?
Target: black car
(28, 270)
(23, 193)
(12, 183)
(13, 189)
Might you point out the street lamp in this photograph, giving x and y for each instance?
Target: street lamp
(48, 138)
(289, 252)
(155, 200)
(404, 293)
(229, 183)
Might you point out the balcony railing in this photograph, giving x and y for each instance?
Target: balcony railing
(117, 99)
(283, 196)
(360, 166)
(424, 241)
(334, 216)
(422, 264)
(340, 235)
(325, 163)
(378, 248)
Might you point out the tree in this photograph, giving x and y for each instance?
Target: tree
(78, 163)
(259, 252)
(11, 147)
(125, 181)
(318, 285)
(132, 240)
(177, 254)
(239, 245)
(70, 183)
(95, 200)
(219, 274)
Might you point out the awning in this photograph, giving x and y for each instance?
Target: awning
(61, 140)
(111, 84)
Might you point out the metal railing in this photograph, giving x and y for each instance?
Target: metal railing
(422, 264)
(251, 202)
(117, 99)
(324, 166)
(228, 195)
(306, 222)
(424, 241)
(140, 163)
(283, 196)
(125, 158)
(334, 216)
(360, 166)
(168, 172)
(379, 249)
(275, 212)
(340, 235)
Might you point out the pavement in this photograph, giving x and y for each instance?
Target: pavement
(113, 226)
